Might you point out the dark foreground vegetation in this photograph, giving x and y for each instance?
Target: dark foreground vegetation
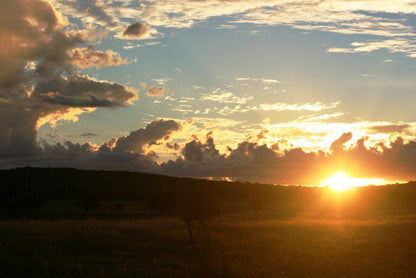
(73, 223)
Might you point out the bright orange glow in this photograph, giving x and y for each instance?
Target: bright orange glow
(341, 181)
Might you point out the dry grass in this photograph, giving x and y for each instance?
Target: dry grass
(230, 248)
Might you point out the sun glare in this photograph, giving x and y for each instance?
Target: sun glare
(341, 181)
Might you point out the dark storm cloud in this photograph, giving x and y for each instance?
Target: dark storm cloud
(136, 30)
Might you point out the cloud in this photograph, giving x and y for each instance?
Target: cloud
(254, 162)
(89, 11)
(338, 145)
(83, 91)
(162, 81)
(321, 117)
(228, 97)
(392, 45)
(196, 151)
(21, 37)
(87, 57)
(136, 140)
(38, 82)
(64, 114)
(226, 27)
(333, 16)
(270, 81)
(224, 96)
(156, 92)
(264, 80)
(384, 18)
(89, 134)
(282, 106)
(390, 128)
(242, 78)
(247, 161)
(319, 132)
(136, 30)
(124, 153)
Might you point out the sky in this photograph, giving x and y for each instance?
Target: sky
(283, 92)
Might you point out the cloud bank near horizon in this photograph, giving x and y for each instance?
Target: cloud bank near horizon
(249, 161)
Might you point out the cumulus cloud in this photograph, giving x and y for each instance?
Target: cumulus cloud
(196, 151)
(21, 36)
(124, 153)
(38, 82)
(156, 92)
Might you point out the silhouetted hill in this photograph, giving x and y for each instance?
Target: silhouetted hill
(35, 192)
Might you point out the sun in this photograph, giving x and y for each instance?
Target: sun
(341, 181)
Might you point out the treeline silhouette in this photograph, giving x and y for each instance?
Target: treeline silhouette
(72, 193)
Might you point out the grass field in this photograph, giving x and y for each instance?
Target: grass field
(232, 247)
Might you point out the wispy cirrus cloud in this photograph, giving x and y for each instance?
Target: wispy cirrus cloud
(264, 80)
(282, 106)
(223, 96)
(162, 81)
(407, 46)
